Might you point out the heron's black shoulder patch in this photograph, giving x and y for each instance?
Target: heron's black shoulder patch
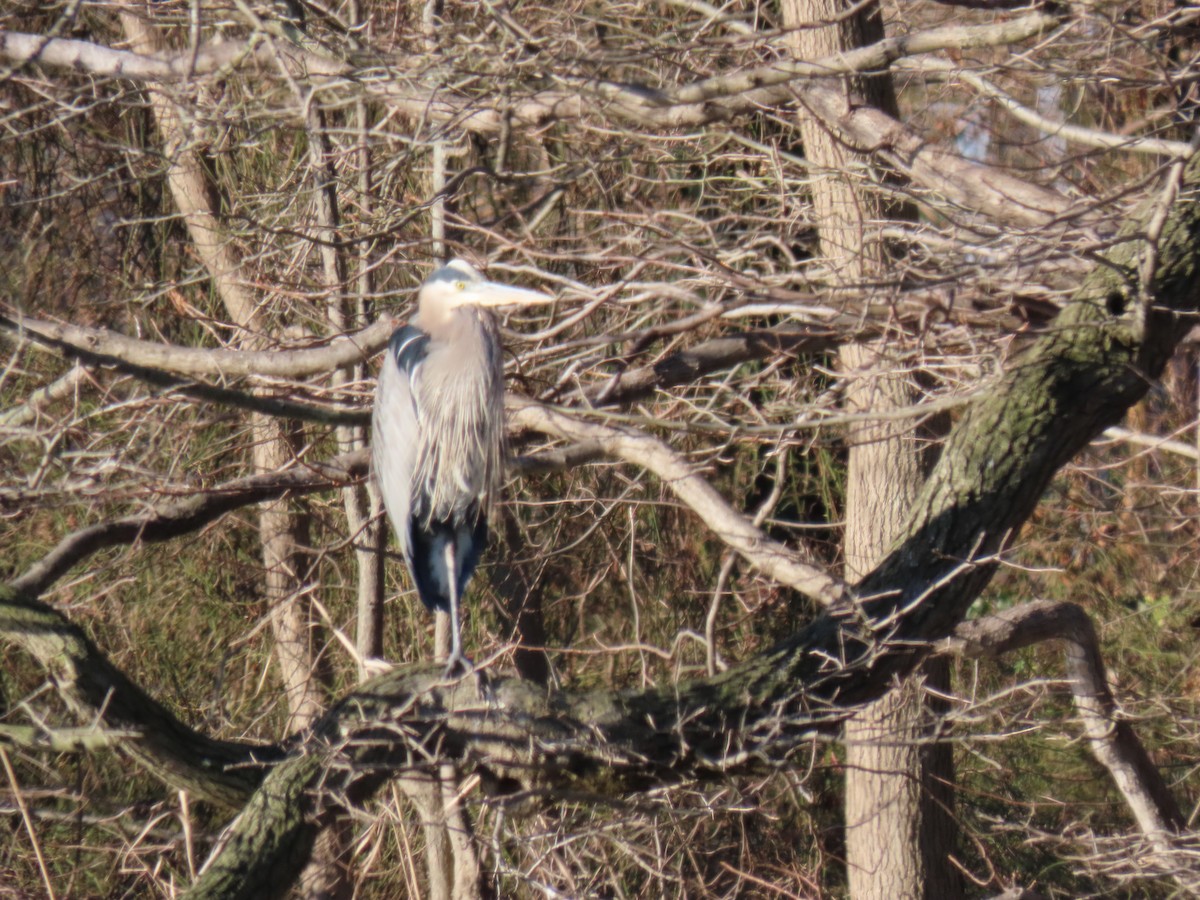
(408, 347)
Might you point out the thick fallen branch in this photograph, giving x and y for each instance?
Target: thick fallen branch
(222, 772)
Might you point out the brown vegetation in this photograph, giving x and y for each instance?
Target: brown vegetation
(211, 216)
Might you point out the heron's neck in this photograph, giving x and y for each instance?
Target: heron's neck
(452, 324)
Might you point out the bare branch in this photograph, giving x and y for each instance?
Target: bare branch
(1076, 134)
(85, 739)
(25, 412)
(1152, 442)
(1111, 738)
(985, 189)
(338, 353)
(223, 772)
(173, 520)
(96, 59)
(686, 366)
(877, 56)
(773, 559)
(693, 104)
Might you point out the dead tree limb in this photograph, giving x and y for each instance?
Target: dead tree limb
(339, 352)
(1111, 738)
(223, 772)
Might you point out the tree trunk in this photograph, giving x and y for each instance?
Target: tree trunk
(282, 561)
(898, 828)
(897, 839)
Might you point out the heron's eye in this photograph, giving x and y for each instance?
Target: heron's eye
(460, 285)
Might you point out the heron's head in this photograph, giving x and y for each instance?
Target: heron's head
(458, 284)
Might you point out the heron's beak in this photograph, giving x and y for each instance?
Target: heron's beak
(489, 293)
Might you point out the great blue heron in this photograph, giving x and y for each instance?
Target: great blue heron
(437, 432)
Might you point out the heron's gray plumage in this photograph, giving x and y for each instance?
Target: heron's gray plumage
(459, 397)
(437, 442)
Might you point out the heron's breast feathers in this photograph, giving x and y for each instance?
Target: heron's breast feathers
(458, 391)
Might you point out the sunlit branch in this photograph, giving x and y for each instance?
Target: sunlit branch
(770, 557)
(336, 353)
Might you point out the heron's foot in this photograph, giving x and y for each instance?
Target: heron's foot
(458, 665)
(373, 665)
(484, 683)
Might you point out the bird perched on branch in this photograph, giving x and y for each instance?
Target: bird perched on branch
(437, 432)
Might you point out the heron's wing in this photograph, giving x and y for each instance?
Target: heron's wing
(394, 428)
(408, 346)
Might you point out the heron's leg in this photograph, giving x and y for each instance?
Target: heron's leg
(456, 657)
